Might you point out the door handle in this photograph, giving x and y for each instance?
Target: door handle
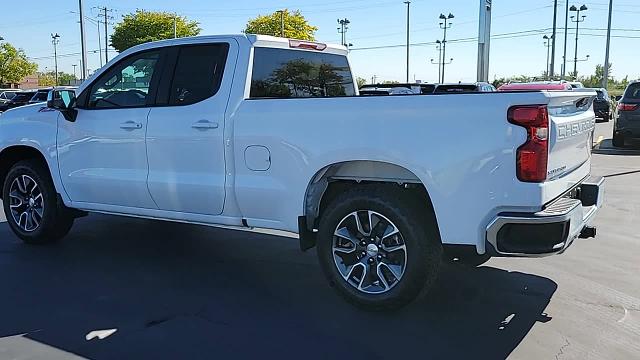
(130, 125)
(204, 125)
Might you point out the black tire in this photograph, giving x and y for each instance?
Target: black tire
(417, 227)
(618, 139)
(55, 223)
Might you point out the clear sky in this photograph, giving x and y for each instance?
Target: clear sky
(374, 23)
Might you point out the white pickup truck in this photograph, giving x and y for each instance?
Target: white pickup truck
(257, 131)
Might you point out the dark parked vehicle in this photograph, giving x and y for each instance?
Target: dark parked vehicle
(603, 106)
(5, 96)
(627, 121)
(463, 88)
(415, 88)
(40, 96)
(21, 98)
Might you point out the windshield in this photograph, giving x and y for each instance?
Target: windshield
(40, 96)
(23, 96)
(633, 92)
(9, 94)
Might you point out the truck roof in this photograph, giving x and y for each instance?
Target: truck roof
(255, 40)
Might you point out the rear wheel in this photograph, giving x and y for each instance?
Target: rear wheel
(376, 249)
(31, 205)
(618, 139)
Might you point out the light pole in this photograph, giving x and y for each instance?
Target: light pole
(553, 40)
(281, 12)
(408, 5)
(445, 25)
(342, 30)
(605, 78)
(577, 19)
(547, 44)
(55, 40)
(439, 48)
(566, 31)
(74, 71)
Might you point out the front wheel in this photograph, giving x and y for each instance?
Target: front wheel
(31, 206)
(377, 249)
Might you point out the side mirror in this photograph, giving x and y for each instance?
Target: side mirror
(61, 99)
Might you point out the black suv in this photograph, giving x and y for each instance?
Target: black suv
(627, 123)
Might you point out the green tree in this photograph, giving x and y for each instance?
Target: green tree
(66, 79)
(295, 25)
(360, 81)
(49, 78)
(14, 65)
(144, 26)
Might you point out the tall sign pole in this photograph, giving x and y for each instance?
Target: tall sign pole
(566, 31)
(408, 4)
(551, 70)
(83, 42)
(605, 78)
(484, 40)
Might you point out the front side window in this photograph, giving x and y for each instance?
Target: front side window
(283, 73)
(198, 73)
(126, 84)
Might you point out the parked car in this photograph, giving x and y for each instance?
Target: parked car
(5, 96)
(603, 105)
(463, 88)
(21, 98)
(576, 85)
(387, 91)
(536, 86)
(215, 130)
(627, 120)
(416, 88)
(40, 96)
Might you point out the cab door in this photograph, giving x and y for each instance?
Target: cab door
(185, 137)
(102, 154)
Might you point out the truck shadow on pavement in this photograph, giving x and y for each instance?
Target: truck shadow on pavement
(606, 147)
(180, 291)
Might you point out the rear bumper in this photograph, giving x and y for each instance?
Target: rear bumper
(550, 231)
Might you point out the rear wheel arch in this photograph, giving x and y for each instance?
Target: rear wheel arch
(14, 154)
(337, 178)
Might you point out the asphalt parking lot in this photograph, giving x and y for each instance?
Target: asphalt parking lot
(129, 288)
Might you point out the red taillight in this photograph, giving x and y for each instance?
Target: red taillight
(532, 156)
(627, 107)
(300, 44)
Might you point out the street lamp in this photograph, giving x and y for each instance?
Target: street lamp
(547, 44)
(439, 48)
(577, 19)
(445, 24)
(55, 40)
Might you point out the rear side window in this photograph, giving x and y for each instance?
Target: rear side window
(198, 73)
(633, 91)
(282, 73)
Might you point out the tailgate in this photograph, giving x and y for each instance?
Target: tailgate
(571, 125)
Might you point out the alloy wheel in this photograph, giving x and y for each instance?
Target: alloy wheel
(369, 251)
(26, 203)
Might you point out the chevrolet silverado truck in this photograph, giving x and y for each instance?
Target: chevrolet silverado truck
(262, 132)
